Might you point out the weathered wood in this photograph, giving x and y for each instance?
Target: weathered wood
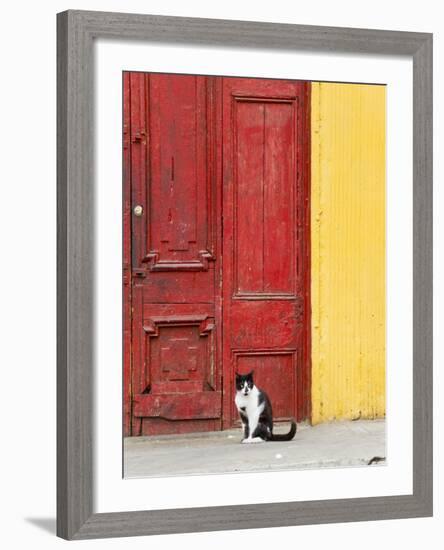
(264, 198)
(196, 405)
(265, 254)
(174, 266)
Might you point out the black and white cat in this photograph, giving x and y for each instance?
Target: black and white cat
(255, 411)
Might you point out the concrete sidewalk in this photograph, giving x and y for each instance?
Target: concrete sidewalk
(336, 444)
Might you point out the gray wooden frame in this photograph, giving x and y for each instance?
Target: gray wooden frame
(76, 31)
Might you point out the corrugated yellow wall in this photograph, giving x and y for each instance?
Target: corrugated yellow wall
(348, 251)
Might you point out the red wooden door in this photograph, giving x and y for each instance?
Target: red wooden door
(265, 250)
(175, 380)
(215, 252)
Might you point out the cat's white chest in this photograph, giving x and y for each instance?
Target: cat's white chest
(247, 403)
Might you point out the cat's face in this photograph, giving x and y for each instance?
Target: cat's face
(244, 383)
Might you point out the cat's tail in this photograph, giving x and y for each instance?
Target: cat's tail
(285, 437)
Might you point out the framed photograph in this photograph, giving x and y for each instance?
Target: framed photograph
(244, 275)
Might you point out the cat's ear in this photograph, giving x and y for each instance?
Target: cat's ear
(250, 375)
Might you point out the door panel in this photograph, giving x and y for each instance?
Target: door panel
(176, 378)
(263, 197)
(270, 367)
(179, 223)
(264, 258)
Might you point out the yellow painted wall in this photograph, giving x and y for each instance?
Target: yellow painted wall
(348, 251)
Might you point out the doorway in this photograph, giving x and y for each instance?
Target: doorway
(216, 248)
